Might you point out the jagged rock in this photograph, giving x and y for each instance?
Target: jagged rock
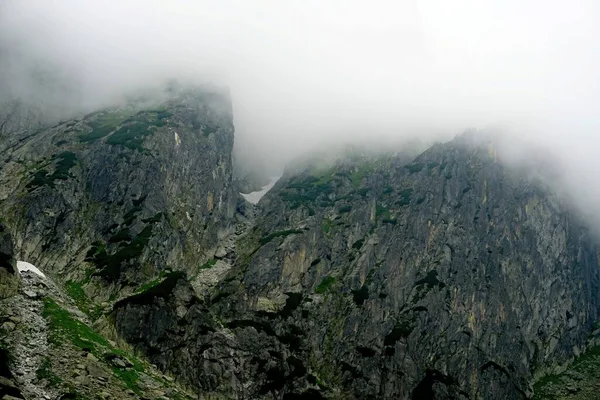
(221, 252)
(95, 370)
(31, 294)
(9, 397)
(8, 326)
(81, 380)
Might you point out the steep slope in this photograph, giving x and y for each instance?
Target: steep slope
(448, 275)
(451, 276)
(107, 205)
(51, 351)
(123, 194)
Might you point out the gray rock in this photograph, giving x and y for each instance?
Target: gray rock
(221, 252)
(9, 277)
(8, 326)
(31, 294)
(95, 370)
(119, 363)
(81, 380)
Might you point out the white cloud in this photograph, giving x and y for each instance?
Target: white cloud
(311, 72)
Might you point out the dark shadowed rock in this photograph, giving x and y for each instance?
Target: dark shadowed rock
(9, 276)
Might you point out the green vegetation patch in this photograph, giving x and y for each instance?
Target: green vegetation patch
(414, 167)
(102, 125)
(44, 372)
(586, 370)
(383, 214)
(110, 264)
(208, 129)
(327, 225)
(154, 219)
(63, 326)
(266, 239)
(306, 190)
(64, 162)
(130, 215)
(129, 377)
(161, 287)
(381, 211)
(325, 285)
(131, 135)
(209, 264)
(405, 196)
(40, 178)
(157, 118)
(76, 292)
(424, 285)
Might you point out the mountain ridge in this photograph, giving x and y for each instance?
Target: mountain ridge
(389, 276)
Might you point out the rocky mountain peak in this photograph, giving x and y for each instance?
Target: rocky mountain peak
(454, 272)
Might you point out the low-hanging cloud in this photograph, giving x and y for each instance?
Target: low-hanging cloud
(312, 72)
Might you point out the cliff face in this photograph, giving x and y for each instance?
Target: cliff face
(123, 194)
(448, 275)
(451, 276)
(106, 205)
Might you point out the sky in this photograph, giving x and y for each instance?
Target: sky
(314, 73)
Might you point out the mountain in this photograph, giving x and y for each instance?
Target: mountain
(444, 275)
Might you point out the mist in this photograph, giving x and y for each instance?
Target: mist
(313, 74)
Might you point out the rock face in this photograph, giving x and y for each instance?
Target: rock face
(50, 351)
(451, 276)
(9, 278)
(104, 204)
(124, 194)
(9, 284)
(446, 276)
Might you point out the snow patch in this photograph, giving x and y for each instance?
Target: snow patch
(25, 266)
(177, 139)
(254, 197)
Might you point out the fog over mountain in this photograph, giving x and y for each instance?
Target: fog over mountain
(306, 74)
